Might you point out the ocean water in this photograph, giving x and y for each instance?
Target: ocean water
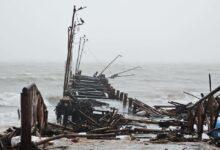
(153, 83)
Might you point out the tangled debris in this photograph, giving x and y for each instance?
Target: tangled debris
(75, 116)
(85, 111)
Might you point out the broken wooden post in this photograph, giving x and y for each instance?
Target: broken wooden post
(130, 104)
(125, 100)
(200, 116)
(134, 110)
(117, 94)
(26, 111)
(216, 113)
(113, 94)
(121, 96)
(210, 83)
(109, 90)
(33, 114)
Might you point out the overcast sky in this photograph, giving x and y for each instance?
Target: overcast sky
(140, 30)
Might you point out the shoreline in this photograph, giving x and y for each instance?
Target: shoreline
(93, 144)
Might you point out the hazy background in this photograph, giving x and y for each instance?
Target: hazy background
(140, 30)
(153, 32)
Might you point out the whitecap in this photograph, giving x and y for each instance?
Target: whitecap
(9, 99)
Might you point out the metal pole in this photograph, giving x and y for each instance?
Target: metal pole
(77, 61)
(134, 68)
(80, 58)
(110, 64)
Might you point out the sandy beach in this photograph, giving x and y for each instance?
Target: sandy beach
(88, 144)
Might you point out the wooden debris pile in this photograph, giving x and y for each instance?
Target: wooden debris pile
(204, 112)
(172, 137)
(140, 106)
(81, 116)
(175, 109)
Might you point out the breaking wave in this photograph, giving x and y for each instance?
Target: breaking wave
(31, 77)
(53, 100)
(8, 99)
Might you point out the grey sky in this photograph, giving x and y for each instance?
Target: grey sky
(140, 30)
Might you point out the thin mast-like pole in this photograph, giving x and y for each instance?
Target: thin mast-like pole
(110, 64)
(210, 83)
(134, 68)
(80, 57)
(77, 61)
(71, 30)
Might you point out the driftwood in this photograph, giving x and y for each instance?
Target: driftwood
(89, 118)
(144, 107)
(145, 130)
(160, 123)
(74, 136)
(60, 126)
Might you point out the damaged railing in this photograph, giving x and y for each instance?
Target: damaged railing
(33, 114)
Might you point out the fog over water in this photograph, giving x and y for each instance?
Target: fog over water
(140, 30)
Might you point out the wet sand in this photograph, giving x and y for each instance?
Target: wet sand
(89, 144)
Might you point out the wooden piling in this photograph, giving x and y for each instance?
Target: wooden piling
(121, 96)
(134, 110)
(26, 111)
(210, 83)
(117, 94)
(109, 87)
(113, 94)
(33, 114)
(125, 100)
(130, 104)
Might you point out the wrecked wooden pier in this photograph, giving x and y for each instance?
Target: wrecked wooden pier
(86, 108)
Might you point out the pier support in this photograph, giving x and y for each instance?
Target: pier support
(33, 114)
(121, 96)
(26, 111)
(130, 104)
(117, 94)
(113, 93)
(125, 100)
